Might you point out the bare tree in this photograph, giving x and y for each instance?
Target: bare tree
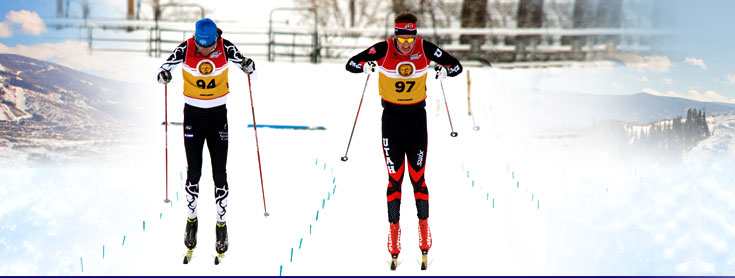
(172, 10)
(354, 13)
(609, 15)
(474, 14)
(530, 13)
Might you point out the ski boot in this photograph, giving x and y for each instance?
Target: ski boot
(190, 237)
(424, 241)
(222, 243)
(394, 244)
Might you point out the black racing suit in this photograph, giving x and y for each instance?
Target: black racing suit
(205, 125)
(404, 132)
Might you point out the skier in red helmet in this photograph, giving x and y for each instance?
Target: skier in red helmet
(403, 62)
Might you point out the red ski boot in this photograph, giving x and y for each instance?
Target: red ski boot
(424, 241)
(394, 244)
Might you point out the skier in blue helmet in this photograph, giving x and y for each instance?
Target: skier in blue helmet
(205, 57)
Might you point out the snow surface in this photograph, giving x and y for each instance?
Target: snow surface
(504, 201)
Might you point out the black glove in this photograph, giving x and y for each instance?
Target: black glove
(247, 65)
(164, 76)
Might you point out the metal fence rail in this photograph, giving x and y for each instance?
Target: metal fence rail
(312, 44)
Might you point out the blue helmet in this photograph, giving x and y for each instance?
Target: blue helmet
(206, 32)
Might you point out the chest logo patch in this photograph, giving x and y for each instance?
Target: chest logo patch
(205, 67)
(405, 69)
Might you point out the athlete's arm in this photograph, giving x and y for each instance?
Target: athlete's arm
(374, 53)
(443, 58)
(233, 54)
(177, 57)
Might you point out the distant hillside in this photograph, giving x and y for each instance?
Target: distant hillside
(52, 94)
(573, 110)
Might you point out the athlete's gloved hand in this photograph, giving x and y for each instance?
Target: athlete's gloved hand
(164, 76)
(247, 65)
(441, 72)
(368, 67)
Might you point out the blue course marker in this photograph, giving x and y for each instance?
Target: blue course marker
(329, 195)
(317, 215)
(538, 204)
(493, 202)
(309, 228)
(296, 127)
(335, 189)
(82, 263)
(280, 273)
(473, 183)
(291, 254)
(144, 226)
(103, 251)
(160, 216)
(334, 179)
(323, 201)
(300, 242)
(316, 162)
(325, 166)
(177, 196)
(123, 244)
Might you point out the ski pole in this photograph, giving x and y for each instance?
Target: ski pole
(475, 127)
(344, 158)
(257, 147)
(453, 133)
(165, 121)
